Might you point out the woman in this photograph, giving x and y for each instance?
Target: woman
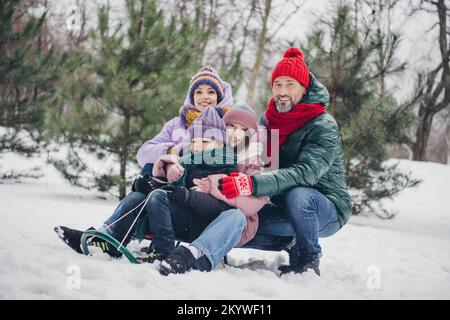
(206, 89)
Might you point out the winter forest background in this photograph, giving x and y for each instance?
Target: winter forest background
(97, 79)
(84, 83)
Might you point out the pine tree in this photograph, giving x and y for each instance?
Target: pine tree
(119, 92)
(27, 76)
(346, 58)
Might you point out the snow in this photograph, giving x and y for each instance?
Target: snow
(403, 258)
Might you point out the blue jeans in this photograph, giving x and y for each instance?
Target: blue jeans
(119, 229)
(307, 215)
(147, 168)
(221, 235)
(165, 220)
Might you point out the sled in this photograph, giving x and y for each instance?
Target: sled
(111, 241)
(138, 234)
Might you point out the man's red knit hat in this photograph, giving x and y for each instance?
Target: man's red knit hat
(292, 65)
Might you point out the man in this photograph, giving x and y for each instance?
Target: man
(309, 191)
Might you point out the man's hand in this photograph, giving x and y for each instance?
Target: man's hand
(145, 184)
(178, 193)
(236, 185)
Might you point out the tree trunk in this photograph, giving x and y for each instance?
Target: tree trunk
(448, 152)
(381, 53)
(259, 54)
(447, 140)
(422, 134)
(333, 96)
(123, 180)
(123, 157)
(431, 106)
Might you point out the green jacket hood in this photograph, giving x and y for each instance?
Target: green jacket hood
(317, 92)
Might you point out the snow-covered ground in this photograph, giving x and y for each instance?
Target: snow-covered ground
(404, 258)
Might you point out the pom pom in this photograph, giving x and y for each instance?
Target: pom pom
(292, 53)
(207, 69)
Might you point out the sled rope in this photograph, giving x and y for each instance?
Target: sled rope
(145, 200)
(111, 224)
(137, 217)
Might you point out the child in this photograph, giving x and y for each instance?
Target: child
(242, 138)
(208, 155)
(247, 143)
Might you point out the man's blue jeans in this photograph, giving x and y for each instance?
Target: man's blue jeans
(307, 215)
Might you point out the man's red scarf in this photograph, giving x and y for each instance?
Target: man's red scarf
(291, 121)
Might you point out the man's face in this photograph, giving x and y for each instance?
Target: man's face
(287, 92)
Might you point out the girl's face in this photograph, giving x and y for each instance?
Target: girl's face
(204, 96)
(200, 144)
(236, 134)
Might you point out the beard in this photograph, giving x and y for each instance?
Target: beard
(284, 106)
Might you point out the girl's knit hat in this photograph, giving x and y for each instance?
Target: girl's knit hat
(206, 75)
(242, 114)
(208, 126)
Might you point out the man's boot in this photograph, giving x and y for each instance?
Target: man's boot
(300, 261)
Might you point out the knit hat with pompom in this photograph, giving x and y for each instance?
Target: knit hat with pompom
(207, 75)
(292, 65)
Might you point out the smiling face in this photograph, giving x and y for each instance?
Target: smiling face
(236, 134)
(204, 96)
(287, 92)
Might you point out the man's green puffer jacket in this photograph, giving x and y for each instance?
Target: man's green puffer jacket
(311, 157)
